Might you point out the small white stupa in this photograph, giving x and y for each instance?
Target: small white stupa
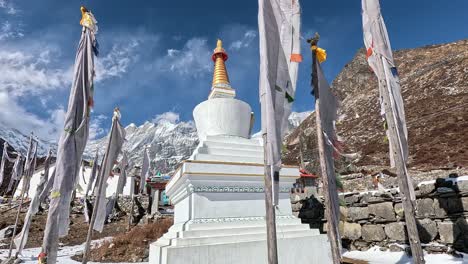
(218, 193)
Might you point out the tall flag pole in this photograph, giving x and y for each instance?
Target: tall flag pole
(114, 147)
(380, 59)
(325, 116)
(132, 195)
(22, 238)
(144, 171)
(279, 34)
(73, 139)
(92, 178)
(26, 178)
(113, 201)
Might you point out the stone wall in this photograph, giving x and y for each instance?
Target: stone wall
(377, 218)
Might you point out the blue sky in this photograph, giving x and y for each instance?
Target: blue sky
(155, 55)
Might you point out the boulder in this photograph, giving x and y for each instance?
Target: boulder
(374, 233)
(462, 186)
(296, 207)
(427, 230)
(396, 231)
(424, 207)
(382, 211)
(351, 231)
(455, 205)
(343, 213)
(358, 213)
(461, 235)
(465, 203)
(352, 199)
(395, 248)
(399, 210)
(427, 188)
(440, 207)
(447, 232)
(7, 231)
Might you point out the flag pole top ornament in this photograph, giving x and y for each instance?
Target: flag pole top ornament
(88, 20)
(117, 113)
(321, 53)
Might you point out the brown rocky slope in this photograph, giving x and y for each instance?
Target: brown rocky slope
(434, 82)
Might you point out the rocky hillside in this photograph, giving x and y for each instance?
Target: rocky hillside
(434, 82)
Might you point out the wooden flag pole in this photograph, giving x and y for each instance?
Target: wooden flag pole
(402, 173)
(270, 215)
(93, 219)
(130, 215)
(16, 223)
(23, 193)
(328, 175)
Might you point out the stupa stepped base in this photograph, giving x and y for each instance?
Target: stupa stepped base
(239, 240)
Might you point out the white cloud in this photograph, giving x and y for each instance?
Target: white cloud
(9, 30)
(9, 7)
(95, 127)
(29, 72)
(117, 61)
(170, 117)
(192, 60)
(245, 41)
(15, 116)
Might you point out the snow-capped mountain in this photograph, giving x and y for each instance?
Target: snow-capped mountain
(168, 143)
(20, 142)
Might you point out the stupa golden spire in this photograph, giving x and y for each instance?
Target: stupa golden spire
(220, 76)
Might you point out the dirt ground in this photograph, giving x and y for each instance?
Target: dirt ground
(77, 233)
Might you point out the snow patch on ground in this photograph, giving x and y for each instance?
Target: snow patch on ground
(375, 256)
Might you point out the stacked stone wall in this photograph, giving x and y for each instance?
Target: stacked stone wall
(377, 218)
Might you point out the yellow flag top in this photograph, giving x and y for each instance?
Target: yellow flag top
(88, 20)
(321, 53)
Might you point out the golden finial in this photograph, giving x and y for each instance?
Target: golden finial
(220, 76)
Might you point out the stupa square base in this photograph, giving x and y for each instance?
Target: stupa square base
(239, 241)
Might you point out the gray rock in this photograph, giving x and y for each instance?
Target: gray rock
(360, 245)
(358, 213)
(399, 210)
(465, 203)
(440, 207)
(395, 248)
(351, 231)
(462, 186)
(427, 188)
(396, 231)
(383, 211)
(424, 207)
(373, 233)
(455, 205)
(427, 230)
(461, 235)
(343, 213)
(7, 232)
(296, 207)
(352, 199)
(447, 232)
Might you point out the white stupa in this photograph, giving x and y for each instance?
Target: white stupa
(218, 193)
